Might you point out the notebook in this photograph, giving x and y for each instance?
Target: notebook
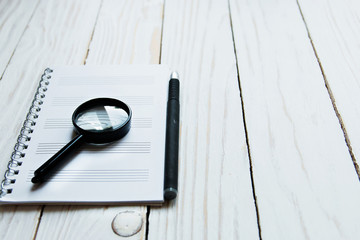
(130, 170)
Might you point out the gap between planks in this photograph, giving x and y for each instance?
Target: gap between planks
(148, 208)
(161, 35)
(331, 96)
(93, 31)
(39, 221)
(245, 128)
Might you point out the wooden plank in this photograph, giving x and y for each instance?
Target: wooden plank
(334, 30)
(126, 32)
(58, 33)
(14, 17)
(18, 222)
(83, 222)
(215, 198)
(305, 182)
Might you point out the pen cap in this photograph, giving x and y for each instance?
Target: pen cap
(174, 85)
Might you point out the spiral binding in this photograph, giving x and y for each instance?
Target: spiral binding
(24, 138)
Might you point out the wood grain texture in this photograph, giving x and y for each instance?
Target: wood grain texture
(334, 27)
(14, 17)
(305, 182)
(126, 32)
(58, 33)
(215, 198)
(18, 222)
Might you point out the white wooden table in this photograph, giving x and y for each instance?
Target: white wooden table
(270, 111)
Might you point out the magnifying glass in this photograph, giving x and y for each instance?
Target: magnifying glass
(100, 120)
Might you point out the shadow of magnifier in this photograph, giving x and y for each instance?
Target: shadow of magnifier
(100, 120)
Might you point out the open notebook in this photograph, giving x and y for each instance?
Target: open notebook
(129, 170)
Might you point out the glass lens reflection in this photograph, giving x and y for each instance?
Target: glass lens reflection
(101, 118)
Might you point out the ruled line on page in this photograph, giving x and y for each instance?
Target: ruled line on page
(105, 80)
(130, 100)
(124, 175)
(56, 123)
(124, 147)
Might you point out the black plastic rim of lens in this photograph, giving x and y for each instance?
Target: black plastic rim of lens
(106, 135)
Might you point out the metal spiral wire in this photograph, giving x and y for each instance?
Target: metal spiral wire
(23, 138)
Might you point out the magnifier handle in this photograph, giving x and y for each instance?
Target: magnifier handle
(55, 161)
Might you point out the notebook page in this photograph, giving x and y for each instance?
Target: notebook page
(128, 170)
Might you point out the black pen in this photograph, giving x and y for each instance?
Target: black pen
(172, 138)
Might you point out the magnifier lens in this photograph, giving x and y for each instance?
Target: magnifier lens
(101, 118)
